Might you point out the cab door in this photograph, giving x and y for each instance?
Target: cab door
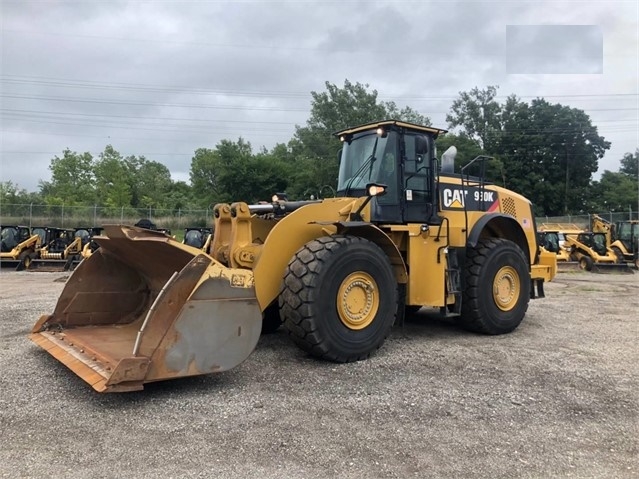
(417, 181)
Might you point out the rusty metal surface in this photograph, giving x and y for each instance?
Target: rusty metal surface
(213, 335)
(205, 316)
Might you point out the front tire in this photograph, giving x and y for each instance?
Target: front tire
(585, 263)
(25, 258)
(497, 287)
(340, 298)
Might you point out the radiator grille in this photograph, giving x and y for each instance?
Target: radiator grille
(508, 206)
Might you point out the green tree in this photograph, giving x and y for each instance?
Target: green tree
(204, 176)
(72, 180)
(181, 197)
(11, 194)
(231, 172)
(548, 151)
(112, 180)
(617, 191)
(630, 165)
(478, 114)
(154, 183)
(149, 181)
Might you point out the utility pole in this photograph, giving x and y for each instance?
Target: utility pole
(567, 182)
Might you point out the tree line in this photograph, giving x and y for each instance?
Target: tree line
(547, 152)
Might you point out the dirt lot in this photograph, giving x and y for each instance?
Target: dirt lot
(557, 398)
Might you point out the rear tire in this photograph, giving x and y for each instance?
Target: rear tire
(618, 254)
(340, 298)
(496, 287)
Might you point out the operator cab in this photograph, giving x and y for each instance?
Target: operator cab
(627, 232)
(398, 155)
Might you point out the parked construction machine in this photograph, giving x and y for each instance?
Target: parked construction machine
(338, 272)
(86, 235)
(198, 237)
(60, 249)
(592, 253)
(551, 241)
(622, 236)
(552, 237)
(18, 247)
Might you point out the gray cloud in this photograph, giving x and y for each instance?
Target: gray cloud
(554, 49)
(161, 79)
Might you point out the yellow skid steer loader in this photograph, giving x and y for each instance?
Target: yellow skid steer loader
(592, 253)
(18, 246)
(337, 273)
(59, 251)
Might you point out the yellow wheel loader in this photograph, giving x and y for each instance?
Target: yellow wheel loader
(18, 247)
(336, 272)
(59, 251)
(622, 236)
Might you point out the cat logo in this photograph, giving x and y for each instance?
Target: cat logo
(454, 198)
(471, 198)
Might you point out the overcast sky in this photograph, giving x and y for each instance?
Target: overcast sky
(162, 78)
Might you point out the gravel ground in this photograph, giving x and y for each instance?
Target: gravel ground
(556, 398)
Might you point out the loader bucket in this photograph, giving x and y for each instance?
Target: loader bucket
(11, 264)
(146, 308)
(568, 266)
(50, 265)
(622, 268)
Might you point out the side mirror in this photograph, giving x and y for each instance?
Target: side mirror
(421, 145)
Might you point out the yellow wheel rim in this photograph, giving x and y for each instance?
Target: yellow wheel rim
(357, 300)
(506, 288)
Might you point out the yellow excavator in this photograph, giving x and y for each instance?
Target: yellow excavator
(404, 231)
(622, 236)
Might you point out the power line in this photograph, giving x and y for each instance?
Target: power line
(73, 83)
(57, 113)
(177, 105)
(151, 88)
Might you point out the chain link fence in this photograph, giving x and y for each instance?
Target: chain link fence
(88, 216)
(584, 221)
(175, 220)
